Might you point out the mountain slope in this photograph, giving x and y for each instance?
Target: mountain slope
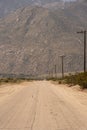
(7, 6)
(33, 38)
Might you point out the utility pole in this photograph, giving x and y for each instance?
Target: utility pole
(55, 71)
(62, 61)
(84, 33)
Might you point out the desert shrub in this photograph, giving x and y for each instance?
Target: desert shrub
(52, 78)
(60, 82)
(79, 78)
(10, 80)
(75, 79)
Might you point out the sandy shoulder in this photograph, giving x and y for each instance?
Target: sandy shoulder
(73, 94)
(8, 90)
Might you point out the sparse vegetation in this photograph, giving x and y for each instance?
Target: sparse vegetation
(13, 80)
(75, 79)
(79, 78)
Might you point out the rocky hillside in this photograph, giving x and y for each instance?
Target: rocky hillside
(7, 6)
(33, 38)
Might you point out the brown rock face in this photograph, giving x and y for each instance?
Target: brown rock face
(33, 38)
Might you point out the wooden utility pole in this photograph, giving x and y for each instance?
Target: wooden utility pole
(62, 62)
(84, 33)
(55, 71)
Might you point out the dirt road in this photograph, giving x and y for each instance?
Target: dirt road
(42, 105)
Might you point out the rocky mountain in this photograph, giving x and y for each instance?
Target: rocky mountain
(33, 38)
(7, 6)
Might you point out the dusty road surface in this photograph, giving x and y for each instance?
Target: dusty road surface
(41, 105)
